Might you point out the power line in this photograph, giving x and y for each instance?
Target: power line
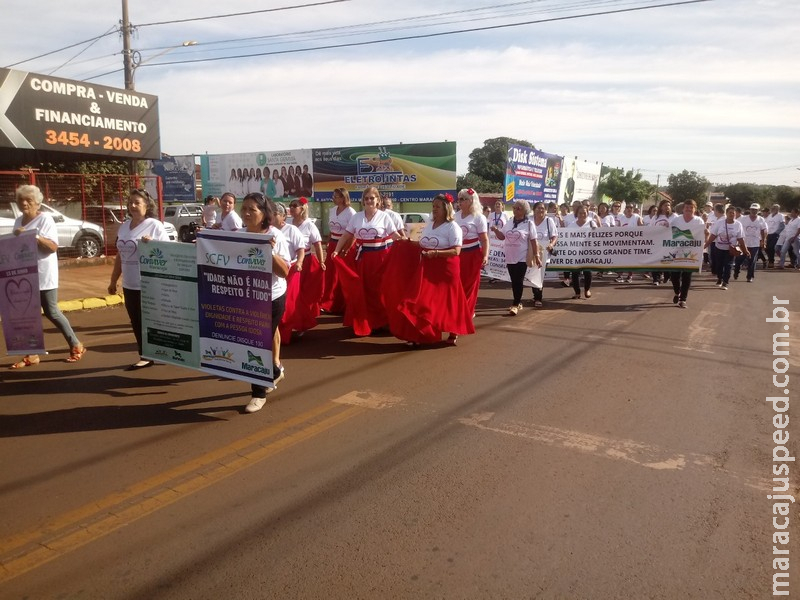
(64, 64)
(416, 37)
(113, 30)
(241, 14)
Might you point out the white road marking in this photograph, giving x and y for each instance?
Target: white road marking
(703, 329)
(643, 455)
(368, 399)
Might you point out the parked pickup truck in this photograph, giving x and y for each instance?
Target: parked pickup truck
(181, 215)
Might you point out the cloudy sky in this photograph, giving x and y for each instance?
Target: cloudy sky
(712, 86)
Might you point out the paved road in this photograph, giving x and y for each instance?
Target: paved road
(611, 448)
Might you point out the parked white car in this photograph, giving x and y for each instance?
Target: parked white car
(84, 237)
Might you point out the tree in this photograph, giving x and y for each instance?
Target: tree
(489, 161)
(627, 186)
(470, 180)
(687, 186)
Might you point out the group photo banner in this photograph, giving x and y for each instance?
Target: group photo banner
(532, 175)
(629, 249)
(579, 181)
(20, 305)
(403, 172)
(281, 174)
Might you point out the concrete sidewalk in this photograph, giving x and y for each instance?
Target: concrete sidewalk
(83, 284)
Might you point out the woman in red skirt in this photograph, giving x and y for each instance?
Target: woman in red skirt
(423, 291)
(338, 220)
(304, 312)
(366, 240)
(475, 246)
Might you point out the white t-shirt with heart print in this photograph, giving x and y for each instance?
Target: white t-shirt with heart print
(128, 246)
(447, 235)
(379, 227)
(515, 246)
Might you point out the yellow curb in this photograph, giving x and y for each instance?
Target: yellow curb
(114, 300)
(94, 303)
(70, 305)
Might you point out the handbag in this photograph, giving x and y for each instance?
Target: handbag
(733, 251)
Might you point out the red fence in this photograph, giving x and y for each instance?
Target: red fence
(95, 198)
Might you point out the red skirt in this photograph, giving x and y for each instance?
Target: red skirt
(471, 263)
(424, 297)
(304, 311)
(361, 287)
(332, 299)
(292, 293)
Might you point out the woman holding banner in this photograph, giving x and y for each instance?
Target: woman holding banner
(142, 226)
(546, 236)
(582, 221)
(662, 218)
(301, 314)
(258, 214)
(475, 245)
(422, 288)
(521, 249)
(371, 232)
(682, 280)
(29, 197)
(338, 220)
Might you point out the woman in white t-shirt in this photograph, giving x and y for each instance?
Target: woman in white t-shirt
(301, 314)
(142, 226)
(682, 280)
(582, 221)
(422, 286)
(546, 236)
(258, 213)
(338, 219)
(369, 235)
(725, 234)
(475, 244)
(519, 237)
(662, 218)
(29, 198)
(210, 211)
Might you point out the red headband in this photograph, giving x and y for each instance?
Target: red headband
(303, 200)
(471, 192)
(449, 198)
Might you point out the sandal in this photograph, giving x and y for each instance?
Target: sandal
(28, 361)
(452, 340)
(76, 353)
(537, 304)
(576, 297)
(588, 294)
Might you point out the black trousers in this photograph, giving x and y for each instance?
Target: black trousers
(576, 282)
(681, 282)
(133, 304)
(516, 272)
(278, 306)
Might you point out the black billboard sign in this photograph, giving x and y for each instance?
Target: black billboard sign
(41, 112)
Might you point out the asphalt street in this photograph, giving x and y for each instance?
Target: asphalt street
(618, 447)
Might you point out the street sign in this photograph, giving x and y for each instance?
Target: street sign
(41, 112)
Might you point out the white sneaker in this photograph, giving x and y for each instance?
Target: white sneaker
(620, 280)
(724, 287)
(281, 374)
(255, 405)
(682, 304)
(513, 310)
(519, 307)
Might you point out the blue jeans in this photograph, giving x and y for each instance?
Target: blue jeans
(724, 262)
(751, 264)
(49, 300)
(785, 250)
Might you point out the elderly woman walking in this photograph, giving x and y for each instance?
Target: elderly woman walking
(29, 198)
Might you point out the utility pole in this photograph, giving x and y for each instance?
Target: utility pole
(127, 56)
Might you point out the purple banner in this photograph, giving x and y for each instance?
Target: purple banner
(20, 307)
(234, 289)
